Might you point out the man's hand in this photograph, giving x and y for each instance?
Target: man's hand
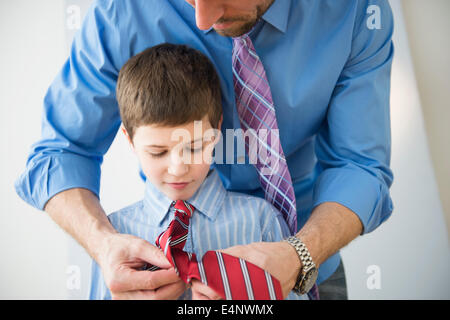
(122, 257)
(278, 258)
(201, 291)
(330, 227)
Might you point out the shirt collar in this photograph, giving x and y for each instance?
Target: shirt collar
(277, 15)
(207, 200)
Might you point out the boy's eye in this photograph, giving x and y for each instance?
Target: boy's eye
(161, 154)
(158, 155)
(194, 150)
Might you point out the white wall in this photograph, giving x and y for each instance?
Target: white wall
(33, 250)
(428, 27)
(411, 249)
(36, 254)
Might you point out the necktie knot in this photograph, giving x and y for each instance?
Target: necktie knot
(183, 207)
(242, 41)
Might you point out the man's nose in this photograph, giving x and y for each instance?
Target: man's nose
(207, 12)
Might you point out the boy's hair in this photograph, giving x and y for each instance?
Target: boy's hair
(168, 85)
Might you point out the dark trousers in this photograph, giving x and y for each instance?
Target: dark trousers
(335, 287)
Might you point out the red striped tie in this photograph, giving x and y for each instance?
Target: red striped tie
(231, 277)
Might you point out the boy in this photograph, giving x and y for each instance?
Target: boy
(162, 93)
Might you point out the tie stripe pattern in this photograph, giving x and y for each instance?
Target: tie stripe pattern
(257, 116)
(229, 276)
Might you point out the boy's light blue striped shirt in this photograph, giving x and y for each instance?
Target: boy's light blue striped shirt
(222, 219)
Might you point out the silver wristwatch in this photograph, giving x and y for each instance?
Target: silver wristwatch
(308, 273)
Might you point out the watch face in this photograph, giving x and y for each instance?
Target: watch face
(309, 279)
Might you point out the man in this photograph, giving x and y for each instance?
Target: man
(328, 68)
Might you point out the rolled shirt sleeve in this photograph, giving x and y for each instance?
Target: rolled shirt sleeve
(353, 146)
(80, 114)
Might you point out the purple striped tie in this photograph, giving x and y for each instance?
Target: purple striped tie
(257, 116)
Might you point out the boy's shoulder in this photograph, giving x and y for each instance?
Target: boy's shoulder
(129, 209)
(122, 219)
(261, 204)
(269, 217)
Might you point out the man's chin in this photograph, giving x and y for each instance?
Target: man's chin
(236, 31)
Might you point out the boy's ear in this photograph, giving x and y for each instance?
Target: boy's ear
(125, 132)
(219, 126)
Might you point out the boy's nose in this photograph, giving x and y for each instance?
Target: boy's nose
(178, 170)
(177, 166)
(207, 12)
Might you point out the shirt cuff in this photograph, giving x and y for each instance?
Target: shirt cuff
(47, 176)
(357, 190)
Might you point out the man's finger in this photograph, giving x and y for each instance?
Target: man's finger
(238, 251)
(152, 255)
(198, 296)
(168, 292)
(133, 280)
(253, 252)
(134, 295)
(171, 291)
(203, 290)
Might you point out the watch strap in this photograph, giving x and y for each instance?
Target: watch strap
(306, 261)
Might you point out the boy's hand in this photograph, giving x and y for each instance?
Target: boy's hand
(123, 255)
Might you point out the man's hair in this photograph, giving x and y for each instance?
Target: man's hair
(168, 85)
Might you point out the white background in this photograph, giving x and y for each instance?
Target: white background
(410, 250)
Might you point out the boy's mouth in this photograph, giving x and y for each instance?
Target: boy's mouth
(179, 185)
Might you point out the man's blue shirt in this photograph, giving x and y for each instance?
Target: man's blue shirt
(328, 66)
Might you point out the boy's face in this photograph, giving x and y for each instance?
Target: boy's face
(177, 159)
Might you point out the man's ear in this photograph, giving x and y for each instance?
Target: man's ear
(125, 132)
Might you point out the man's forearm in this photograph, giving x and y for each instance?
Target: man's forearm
(330, 227)
(79, 213)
